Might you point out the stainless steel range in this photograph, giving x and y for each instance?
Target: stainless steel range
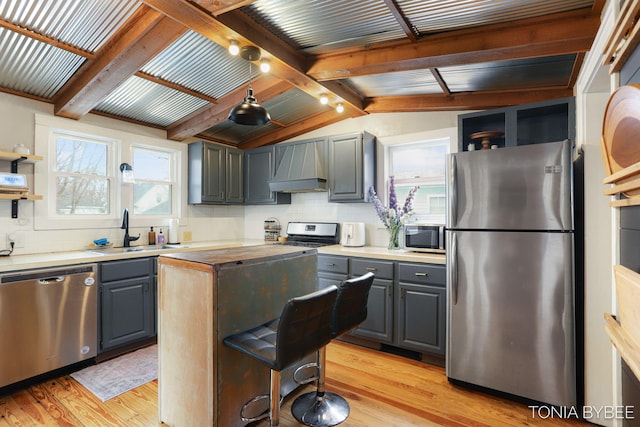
(312, 234)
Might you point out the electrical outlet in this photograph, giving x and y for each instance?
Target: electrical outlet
(17, 237)
(186, 236)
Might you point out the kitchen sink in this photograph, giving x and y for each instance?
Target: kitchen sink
(123, 250)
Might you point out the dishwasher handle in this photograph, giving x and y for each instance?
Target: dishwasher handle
(47, 280)
(48, 274)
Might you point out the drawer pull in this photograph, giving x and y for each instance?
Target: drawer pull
(372, 269)
(331, 265)
(422, 275)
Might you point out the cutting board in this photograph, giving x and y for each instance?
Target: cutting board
(621, 129)
(620, 141)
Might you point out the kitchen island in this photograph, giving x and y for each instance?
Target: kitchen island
(205, 296)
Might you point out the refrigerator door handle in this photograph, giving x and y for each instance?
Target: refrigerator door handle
(454, 268)
(453, 200)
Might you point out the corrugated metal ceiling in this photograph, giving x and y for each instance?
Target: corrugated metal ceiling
(434, 16)
(45, 43)
(322, 25)
(86, 24)
(34, 67)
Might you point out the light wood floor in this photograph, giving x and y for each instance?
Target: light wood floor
(382, 390)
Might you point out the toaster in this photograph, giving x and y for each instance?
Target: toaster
(352, 234)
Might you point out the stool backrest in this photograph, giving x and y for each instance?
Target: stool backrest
(305, 326)
(351, 305)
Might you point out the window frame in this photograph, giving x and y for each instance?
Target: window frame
(450, 134)
(173, 181)
(44, 178)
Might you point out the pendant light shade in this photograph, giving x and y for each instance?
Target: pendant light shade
(249, 112)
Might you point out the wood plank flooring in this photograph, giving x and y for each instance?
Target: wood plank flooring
(382, 390)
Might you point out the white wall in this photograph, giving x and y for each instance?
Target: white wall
(205, 222)
(593, 90)
(17, 121)
(389, 128)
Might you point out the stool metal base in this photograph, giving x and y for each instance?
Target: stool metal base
(315, 410)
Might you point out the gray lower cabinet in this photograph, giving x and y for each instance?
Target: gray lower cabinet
(215, 174)
(379, 322)
(259, 169)
(332, 270)
(421, 316)
(127, 301)
(407, 301)
(352, 167)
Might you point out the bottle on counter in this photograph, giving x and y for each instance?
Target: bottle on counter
(160, 238)
(152, 237)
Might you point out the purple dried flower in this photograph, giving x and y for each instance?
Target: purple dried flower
(393, 216)
(393, 201)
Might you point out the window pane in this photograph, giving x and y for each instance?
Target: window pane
(82, 196)
(151, 165)
(77, 156)
(421, 164)
(418, 161)
(151, 199)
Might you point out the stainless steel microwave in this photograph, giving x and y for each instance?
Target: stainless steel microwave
(424, 238)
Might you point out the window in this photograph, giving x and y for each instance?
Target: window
(422, 164)
(80, 177)
(154, 182)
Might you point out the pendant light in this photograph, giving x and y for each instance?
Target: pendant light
(249, 112)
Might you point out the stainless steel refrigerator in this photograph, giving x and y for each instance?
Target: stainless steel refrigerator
(510, 270)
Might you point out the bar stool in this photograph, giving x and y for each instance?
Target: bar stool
(321, 408)
(302, 329)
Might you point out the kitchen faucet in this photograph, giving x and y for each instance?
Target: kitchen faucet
(125, 226)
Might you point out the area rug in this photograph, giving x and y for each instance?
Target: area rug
(116, 376)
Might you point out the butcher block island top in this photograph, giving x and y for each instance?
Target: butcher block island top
(205, 296)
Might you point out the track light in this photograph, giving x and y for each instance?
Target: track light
(234, 48)
(265, 66)
(324, 99)
(340, 108)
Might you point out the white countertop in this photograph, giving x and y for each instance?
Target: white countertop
(383, 253)
(54, 259)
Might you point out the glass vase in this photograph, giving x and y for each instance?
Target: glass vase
(394, 236)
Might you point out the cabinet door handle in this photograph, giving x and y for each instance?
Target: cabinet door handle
(422, 274)
(372, 269)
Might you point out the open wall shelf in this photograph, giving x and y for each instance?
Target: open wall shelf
(15, 159)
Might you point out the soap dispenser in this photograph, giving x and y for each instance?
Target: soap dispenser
(160, 238)
(152, 237)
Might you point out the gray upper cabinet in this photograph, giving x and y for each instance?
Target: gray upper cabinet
(352, 167)
(259, 169)
(524, 124)
(215, 174)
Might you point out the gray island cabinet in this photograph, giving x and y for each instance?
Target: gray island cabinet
(205, 296)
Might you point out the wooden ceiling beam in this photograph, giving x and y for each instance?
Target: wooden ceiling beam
(286, 62)
(307, 124)
(465, 100)
(560, 34)
(407, 27)
(145, 35)
(265, 87)
(218, 7)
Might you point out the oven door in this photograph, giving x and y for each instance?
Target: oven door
(424, 237)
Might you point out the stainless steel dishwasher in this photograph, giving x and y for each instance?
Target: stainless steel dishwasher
(48, 320)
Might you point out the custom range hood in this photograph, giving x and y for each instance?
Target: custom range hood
(300, 169)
